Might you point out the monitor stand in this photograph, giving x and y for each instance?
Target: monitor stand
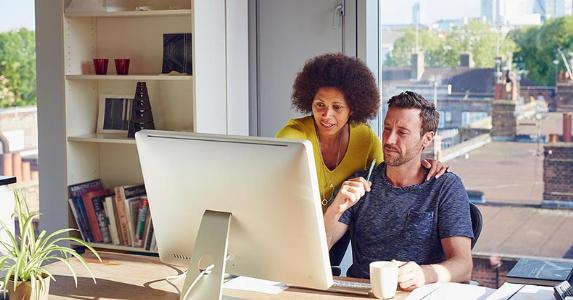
(208, 259)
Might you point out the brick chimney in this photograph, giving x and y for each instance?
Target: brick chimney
(567, 127)
(564, 93)
(558, 169)
(504, 121)
(466, 60)
(557, 174)
(417, 65)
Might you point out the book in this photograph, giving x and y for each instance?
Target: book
(148, 232)
(142, 217)
(540, 272)
(102, 218)
(110, 214)
(75, 192)
(83, 217)
(132, 209)
(88, 200)
(79, 222)
(78, 189)
(122, 193)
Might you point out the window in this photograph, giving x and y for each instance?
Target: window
(445, 118)
(505, 117)
(18, 117)
(469, 117)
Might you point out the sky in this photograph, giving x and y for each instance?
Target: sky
(400, 11)
(15, 14)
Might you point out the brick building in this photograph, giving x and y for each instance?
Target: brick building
(491, 271)
(558, 174)
(564, 93)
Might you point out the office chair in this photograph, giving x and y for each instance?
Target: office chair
(477, 221)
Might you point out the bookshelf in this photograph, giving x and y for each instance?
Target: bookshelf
(198, 102)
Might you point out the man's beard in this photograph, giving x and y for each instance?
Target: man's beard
(401, 158)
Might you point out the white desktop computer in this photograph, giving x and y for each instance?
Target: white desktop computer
(240, 205)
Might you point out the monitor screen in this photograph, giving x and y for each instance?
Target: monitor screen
(269, 187)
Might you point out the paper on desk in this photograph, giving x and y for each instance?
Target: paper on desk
(450, 290)
(255, 285)
(533, 292)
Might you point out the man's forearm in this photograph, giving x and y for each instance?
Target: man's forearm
(455, 269)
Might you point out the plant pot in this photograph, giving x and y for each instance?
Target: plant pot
(24, 290)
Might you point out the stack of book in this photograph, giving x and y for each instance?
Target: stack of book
(118, 216)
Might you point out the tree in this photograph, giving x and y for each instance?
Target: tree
(18, 65)
(442, 49)
(428, 41)
(7, 97)
(537, 48)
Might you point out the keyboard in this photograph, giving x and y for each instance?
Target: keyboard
(351, 287)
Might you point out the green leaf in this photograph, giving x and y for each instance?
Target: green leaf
(65, 261)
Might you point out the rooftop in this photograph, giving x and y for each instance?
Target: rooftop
(509, 172)
(511, 176)
(525, 231)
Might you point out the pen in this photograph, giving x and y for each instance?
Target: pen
(371, 169)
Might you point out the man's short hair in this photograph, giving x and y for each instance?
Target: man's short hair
(428, 113)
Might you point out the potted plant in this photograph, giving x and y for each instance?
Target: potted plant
(24, 255)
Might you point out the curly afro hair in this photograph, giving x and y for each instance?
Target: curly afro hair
(347, 74)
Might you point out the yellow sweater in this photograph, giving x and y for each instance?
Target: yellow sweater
(363, 147)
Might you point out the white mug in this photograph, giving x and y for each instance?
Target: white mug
(384, 279)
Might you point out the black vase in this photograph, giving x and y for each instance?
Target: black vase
(141, 116)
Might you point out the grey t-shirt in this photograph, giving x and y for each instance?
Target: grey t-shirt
(406, 223)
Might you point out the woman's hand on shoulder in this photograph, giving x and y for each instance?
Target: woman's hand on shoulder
(437, 168)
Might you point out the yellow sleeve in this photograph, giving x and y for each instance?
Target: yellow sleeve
(375, 148)
(291, 131)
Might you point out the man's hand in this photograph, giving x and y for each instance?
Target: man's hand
(437, 168)
(350, 192)
(410, 275)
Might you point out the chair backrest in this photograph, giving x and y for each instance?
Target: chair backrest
(477, 221)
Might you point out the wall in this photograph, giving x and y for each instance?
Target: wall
(20, 127)
(485, 271)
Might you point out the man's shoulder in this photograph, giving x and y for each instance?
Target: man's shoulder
(449, 178)
(450, 185)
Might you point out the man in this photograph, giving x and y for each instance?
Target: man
(424, 225)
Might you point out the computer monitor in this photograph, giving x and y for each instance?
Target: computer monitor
(267, 185)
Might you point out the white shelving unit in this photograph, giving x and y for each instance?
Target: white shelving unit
(138, 77)
(150, 13)
(70, 91)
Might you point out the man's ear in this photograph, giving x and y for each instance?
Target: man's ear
(427, 139)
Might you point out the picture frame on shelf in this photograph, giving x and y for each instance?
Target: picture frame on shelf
(114, 113)
(177, 53)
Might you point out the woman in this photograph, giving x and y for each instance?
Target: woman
(340, 94)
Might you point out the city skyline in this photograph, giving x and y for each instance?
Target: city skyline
(400, 12)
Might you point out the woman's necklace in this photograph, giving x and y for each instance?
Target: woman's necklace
(329, 185)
